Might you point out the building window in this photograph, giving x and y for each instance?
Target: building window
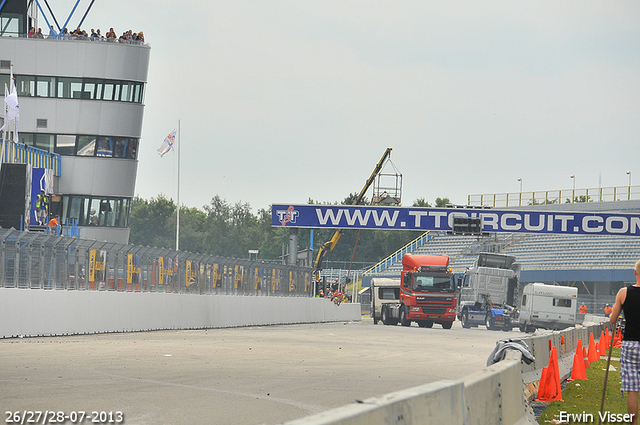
(10, 25)
(77, 88)
(45, 86)
(97, 211)
(25, 85)
(86, 145)
(92, 89)
(65, 144)
(44, 142)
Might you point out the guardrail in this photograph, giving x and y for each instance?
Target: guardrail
(562, 196)
(495, 395)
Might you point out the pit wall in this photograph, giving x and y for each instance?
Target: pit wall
(32, 312)
(498, 394)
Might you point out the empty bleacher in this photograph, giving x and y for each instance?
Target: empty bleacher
(536, 251)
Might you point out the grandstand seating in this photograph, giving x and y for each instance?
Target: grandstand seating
(536, 251)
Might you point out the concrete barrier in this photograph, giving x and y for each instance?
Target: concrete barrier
(491, 396)
(497, 394)
(33, 312)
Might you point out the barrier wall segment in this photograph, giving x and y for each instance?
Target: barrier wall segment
(44, 313)
(491, 396)
(495, 395)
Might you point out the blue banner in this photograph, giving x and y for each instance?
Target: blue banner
(414, 218)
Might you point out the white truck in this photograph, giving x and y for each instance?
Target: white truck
(548, 307)
(383, 291)
(488, 293)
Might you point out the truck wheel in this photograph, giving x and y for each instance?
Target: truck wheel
(403, 318)
(488, 321)
(465, 319)
(530, 329)
(422, 324)
(447, 325)
(385, 316)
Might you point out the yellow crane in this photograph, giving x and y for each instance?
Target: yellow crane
(331, 243)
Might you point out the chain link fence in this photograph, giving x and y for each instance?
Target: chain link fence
(31, 260)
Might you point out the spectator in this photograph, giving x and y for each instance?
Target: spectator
(53, 33)
(583, 309)
(628, 301)
(65, 34)
(39, 33)
(55, 221)
(42, 208)
(98, 35)
(607, 310)
(32, 32)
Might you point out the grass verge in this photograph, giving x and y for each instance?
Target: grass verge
(583, 397)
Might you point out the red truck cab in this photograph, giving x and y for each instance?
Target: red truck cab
(427, 291)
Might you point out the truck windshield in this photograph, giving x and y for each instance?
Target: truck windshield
(425, 283)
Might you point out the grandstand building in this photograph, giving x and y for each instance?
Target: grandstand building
(81, 103)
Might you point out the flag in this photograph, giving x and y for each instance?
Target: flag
(167, 144)
(6, 95)
(13, 109)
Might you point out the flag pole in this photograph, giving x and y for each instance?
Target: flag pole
(4, 128)
(178, 211)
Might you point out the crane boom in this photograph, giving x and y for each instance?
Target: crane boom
(331, 243)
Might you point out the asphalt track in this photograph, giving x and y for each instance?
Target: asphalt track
(250, 375)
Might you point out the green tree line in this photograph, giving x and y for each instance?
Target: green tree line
(231, 230)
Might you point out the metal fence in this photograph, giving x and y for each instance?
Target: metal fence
(565, 196)
(38, 261)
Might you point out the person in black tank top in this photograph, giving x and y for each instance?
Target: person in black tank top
(628, 301)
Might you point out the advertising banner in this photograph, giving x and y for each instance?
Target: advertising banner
(441, 219)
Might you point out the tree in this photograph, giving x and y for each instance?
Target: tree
(153, 222)
(420, 202)
(442, 202)
(231, 230)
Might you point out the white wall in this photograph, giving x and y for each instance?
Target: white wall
(32, 312)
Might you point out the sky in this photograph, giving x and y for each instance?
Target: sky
(282, 101)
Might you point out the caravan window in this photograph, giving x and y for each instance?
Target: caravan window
(524, 300)
(557, 302)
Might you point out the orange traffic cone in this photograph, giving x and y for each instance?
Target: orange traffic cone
(587, 365)
(578, 370)
(549, 389)
(617, 338)
(593, 354)
(602, 348)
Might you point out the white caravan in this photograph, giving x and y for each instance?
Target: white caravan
(548, 307)
(383, 291)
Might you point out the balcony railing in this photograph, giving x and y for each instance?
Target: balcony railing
(562, 196)
(17, 153)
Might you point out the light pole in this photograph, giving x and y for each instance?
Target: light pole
(629, 195)
(520, 201)
(573, 194)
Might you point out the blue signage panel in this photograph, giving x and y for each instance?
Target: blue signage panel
(414, 218)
